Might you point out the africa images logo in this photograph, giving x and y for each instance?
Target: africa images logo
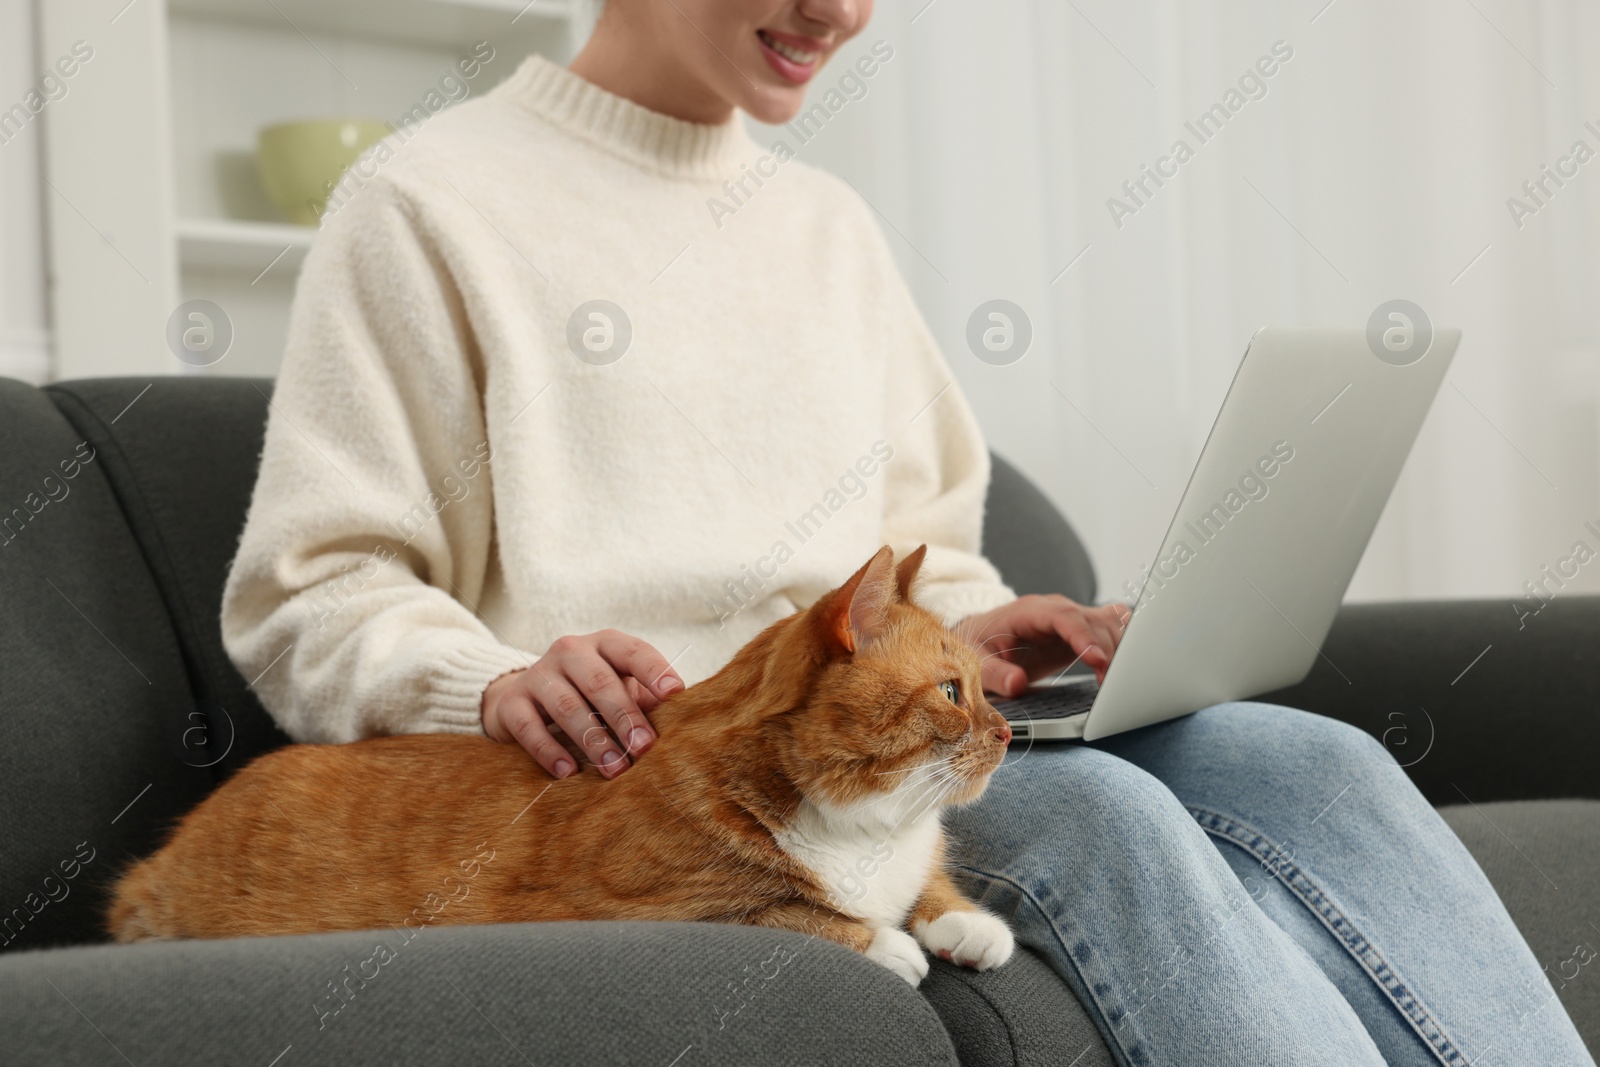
(1139, 190)
(999, 332)
(1399, 332)
(599, 332)
(1254, 485)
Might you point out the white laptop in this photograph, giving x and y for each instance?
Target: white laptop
(1297, 468)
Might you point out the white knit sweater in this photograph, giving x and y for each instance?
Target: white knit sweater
(447, 488)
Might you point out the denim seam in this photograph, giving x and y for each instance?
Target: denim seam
(1360, 947)
(1066, 951)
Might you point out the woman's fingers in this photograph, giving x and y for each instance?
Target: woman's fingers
(1102, 633)
(599, 689)
(637, 659)
(1003, 678)
(1115, 618)
(1095, 634)
(1091, 644)
(641, 696)
(522, 723)
(561, 701)
(1043, 634)
(605, 692)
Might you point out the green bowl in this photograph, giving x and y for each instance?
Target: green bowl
(301, 162)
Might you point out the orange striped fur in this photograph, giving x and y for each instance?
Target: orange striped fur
(797, 788)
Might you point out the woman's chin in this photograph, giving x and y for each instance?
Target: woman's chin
(774, 106)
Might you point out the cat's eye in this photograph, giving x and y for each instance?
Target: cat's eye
(951, 691)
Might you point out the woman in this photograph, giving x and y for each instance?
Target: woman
(543, 393)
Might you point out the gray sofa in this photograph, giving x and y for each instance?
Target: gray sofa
(120, 507)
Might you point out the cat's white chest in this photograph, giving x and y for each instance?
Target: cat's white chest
(872, 870)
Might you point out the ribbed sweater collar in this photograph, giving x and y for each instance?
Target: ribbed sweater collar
(623, 128)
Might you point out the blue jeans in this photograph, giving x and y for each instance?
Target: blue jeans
(1255, 884)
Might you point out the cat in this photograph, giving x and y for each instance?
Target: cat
(797, 788)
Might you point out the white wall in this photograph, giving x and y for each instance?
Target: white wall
(1391, 141)
(24, 339)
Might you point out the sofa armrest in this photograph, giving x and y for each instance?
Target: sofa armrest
(570, 993)
(1020, 1015)
(1477, 700)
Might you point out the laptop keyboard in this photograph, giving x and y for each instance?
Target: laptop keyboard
(1049, 702)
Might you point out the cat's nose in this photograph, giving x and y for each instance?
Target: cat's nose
(999, 729)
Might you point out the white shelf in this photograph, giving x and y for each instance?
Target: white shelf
(183, 87)
(457, 23)
(235, 245)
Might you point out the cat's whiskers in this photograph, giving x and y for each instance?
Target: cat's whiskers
(927, 799)
(907, 770)
(935, 789)
(987, 638)
(948, 785)
(933, 771)
(904, 801)
(951, 781)
(921, 773)
(922, 778)
(926, 804)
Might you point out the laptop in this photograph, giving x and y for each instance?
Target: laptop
(1280, 507)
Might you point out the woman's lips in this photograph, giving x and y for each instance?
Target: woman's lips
(794, 58)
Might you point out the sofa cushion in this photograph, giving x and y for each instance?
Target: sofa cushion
(94, 703)
(1029, 541)
(1018, 1015)
(182, 461)
(1543, 857)
(665, 994)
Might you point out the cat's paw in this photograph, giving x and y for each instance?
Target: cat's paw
(971, 938)
(899, 951)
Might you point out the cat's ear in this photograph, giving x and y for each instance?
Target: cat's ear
(858, 610)
(906, 572)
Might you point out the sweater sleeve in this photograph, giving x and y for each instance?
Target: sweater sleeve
(370, 532)
(939, 475)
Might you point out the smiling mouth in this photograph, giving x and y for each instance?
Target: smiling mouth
(795, 64)
(789, 52)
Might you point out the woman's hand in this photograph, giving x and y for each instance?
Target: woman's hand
(1038, 635)
(620, 677)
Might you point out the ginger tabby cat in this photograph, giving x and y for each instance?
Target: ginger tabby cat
(797, 788)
